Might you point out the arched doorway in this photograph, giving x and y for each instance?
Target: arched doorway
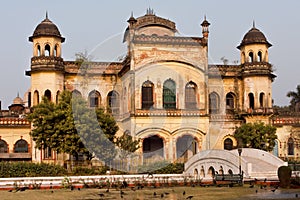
(186, 147)
(211, 172)
(153, 149)
(228, 144)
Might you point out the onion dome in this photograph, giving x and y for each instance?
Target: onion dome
(46, 28)
(254, 36)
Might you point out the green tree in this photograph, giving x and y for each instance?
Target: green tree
(127, 145)
(256, 135)
(71, 127)
(295, 99)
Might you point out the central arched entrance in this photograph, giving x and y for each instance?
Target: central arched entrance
(186, 147)
(153, 149)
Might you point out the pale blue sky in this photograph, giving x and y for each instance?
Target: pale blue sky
(93, 23)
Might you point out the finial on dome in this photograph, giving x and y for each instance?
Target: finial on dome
(46, 14)
(18, 94)
(253, 23)
(150, 11)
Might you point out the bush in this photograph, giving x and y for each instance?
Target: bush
(162, 167)
(27, 169)
(284, 175)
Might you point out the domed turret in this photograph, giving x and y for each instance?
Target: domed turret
(254, 46)
(46, 28)
(254, 36)
(18, 100)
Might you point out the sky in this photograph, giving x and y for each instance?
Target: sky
(96, 26)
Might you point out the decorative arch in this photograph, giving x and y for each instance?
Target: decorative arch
(290, 144)
(250, 57)
(57, 97)
(229, 142)
(169, 94)
(251, 100)
(230, 102)
(191, 95)
(3, 146)
(153, 149)
(48, 94)
(262, 100)
(76, 93)
(38, 51)
(147, 94)
(36, 98)
(21, 146)
(259, 56)
(47, 50)
(56, 50)
(94, 99)
(214, 103)
(211, 171)
(113, 102)
(186, 147)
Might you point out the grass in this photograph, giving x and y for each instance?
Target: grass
(169, 193)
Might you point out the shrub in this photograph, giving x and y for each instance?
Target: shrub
(27, 169)
(162, 168)
(284, 175)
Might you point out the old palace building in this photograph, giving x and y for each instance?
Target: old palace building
(164, 91)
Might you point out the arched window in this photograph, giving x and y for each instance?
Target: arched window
(261, 99)
(57, 97)
(94, 99)
(48, 94)
(21, 146)
(259, 56)
(169, 94)
(211, 171)
(190, 95)
(47, 50)
(229, 101)
(36, 99)
(251, 100)
(3, 147)
(251, 58)
(113, 102)
(38, 50)
(214, 103)
(147, 95)
(55, 51)
(290, 146)
(228, 144)
(76, 93)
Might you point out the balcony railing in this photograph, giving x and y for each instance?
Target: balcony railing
(169, 112)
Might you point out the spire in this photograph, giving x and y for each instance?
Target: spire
(131, 20)
(253, 23)
(46, 14)
(150, 11)
(205, 24)
(18, 94)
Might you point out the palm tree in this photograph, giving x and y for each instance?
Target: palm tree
(294, 102)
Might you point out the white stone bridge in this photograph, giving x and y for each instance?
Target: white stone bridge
(255, 163)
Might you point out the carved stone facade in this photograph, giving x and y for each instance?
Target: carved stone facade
(163, 91)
